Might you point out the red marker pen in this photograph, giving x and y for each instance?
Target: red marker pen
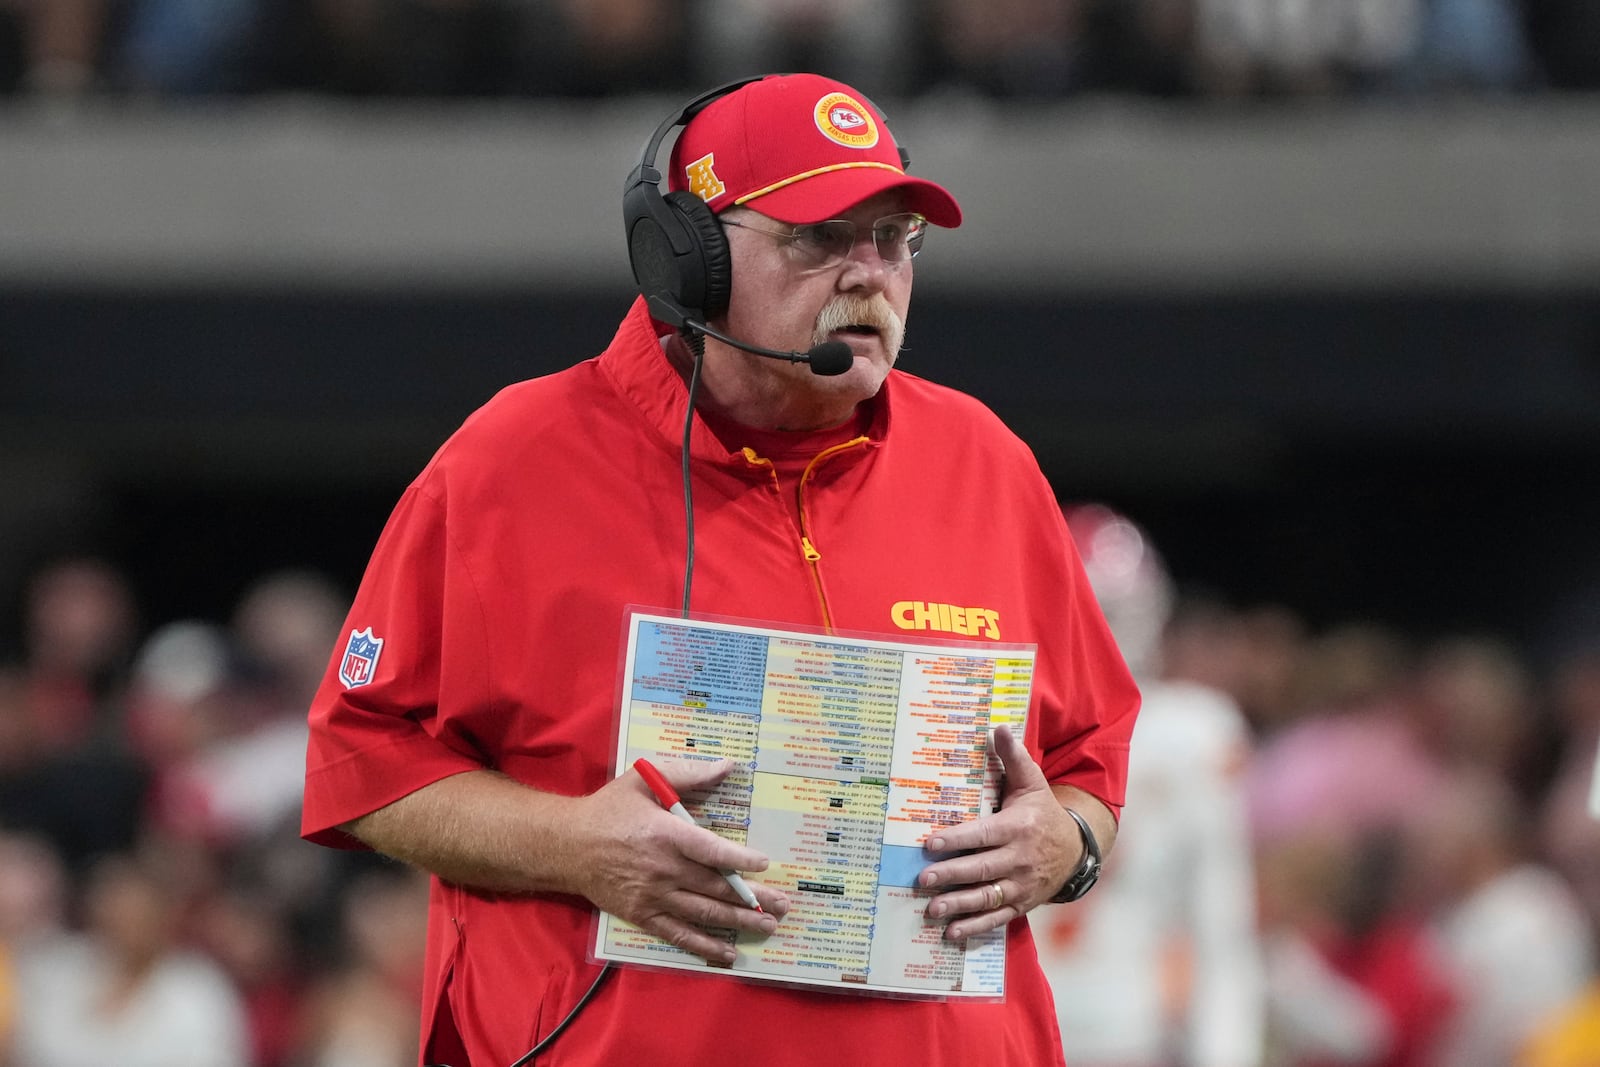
(668, 798)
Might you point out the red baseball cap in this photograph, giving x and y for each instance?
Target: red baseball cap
(799, 148)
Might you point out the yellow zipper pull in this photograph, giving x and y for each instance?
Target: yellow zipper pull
(810, 550)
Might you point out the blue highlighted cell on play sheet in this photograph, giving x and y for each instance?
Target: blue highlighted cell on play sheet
(901, 864)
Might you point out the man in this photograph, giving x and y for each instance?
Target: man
(466, 724)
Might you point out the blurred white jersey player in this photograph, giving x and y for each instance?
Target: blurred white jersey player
(1160, 965)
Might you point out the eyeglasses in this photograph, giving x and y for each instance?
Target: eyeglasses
(898, 238)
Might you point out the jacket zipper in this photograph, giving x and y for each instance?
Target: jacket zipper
(808, 548)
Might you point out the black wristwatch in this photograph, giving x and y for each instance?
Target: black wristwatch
(1081, 880)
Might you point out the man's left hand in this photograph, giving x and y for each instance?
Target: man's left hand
(1009, 862)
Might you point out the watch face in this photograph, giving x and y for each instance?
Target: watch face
(1082, 880)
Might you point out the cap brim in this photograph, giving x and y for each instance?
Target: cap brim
(828, 196)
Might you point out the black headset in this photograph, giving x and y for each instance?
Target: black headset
(676, 246)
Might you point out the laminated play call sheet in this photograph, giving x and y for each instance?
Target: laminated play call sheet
(848, 754)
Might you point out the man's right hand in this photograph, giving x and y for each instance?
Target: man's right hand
(664, 875)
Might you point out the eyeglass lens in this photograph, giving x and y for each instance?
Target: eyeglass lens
(896, 237)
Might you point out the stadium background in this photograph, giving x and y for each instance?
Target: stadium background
(1310, 288)
(1346, 358)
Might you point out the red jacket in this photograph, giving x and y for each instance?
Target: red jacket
(499, 590)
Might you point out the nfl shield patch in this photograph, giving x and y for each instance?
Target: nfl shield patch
(360, 658)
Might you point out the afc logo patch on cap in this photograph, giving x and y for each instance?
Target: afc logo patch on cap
(701, 178)
(844, 121)
(360, 661)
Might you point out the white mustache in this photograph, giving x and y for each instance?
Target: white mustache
(853, 310)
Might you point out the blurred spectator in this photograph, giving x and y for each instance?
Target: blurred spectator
(1473, 703)
(1351, 980)
(34, 892)
(178, 696)
(1027, 49)
(243, 773)
(383, 47)
(1468, 45)
(247, 932)
(1255, 656)
(184, 47)
(1205, 643)
(599, 48)
(1565, 35)
(1317, 1014)
(863, 42)
(52, 47)
(1514, 935)
(123, 992)
(366, 1014)
(1291, 47)
(1275, 643)
(79, 627)
(1332, 797)
(33, 901)
(285, 624)
(1144, 46)
(1352, 761)
(1568, 833)
(1161, 964)
(65, 771)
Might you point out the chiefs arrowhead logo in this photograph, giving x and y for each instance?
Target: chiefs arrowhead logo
(843, 120)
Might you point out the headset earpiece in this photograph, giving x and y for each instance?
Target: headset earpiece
(711, 279)
(679, 255)
(676, 247)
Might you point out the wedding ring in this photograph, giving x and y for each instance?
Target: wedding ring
(999, 894)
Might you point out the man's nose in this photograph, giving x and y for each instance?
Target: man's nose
(863, 267)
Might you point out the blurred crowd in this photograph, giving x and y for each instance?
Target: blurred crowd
(1007, 49)
(1425, 891)
(157, 908)
(1427, 866)
(1342, 844)
(1425, 874)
